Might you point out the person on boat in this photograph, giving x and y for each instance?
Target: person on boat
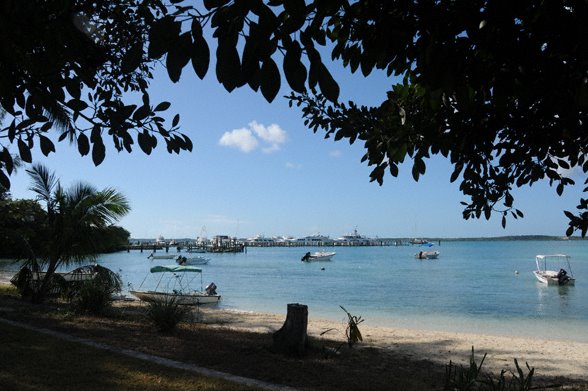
(306, 257)
(562, 277)
(420, 255)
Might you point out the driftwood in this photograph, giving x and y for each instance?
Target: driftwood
(292, 337)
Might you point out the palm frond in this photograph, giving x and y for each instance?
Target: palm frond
(43, 183)
(60, 118)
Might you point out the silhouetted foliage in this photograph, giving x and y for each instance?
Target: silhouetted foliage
(498, 88)
(71, 227)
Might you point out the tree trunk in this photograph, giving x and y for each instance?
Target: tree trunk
(292, 337)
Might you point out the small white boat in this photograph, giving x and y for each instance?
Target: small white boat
(177, 288)
(162, 256)
(199, 250)
(427, 255)
(194, 261)
(563, 276)
(318, 256)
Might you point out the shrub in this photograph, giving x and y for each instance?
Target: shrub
(461, 379)
(352, 331)
(92, 297)
(165, 314)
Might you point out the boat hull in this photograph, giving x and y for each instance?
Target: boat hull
(427, 255)
(550, 278)
(192, 261)
(319, 256)
(184, 299)
(167, 256)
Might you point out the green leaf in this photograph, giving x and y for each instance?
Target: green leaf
(162, 106)
(178, 57)
(132, 58)
(270, 80)
(77, 105)
(83, 144)
(24, 151)
(46, 145)
(176, 120)
(145, 142)
(4, 180)
(328, 85)
(98, 153)
(294, 70)
(141, 113)
(73, 88)
(200, 55)
(162, 35)
(228, 65)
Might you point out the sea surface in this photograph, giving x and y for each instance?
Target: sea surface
(475, 286)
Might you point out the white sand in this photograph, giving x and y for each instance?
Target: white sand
(549, 357)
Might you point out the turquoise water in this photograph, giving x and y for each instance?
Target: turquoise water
(472, 287)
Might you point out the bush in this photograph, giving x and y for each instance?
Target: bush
(165, 314)
(95, 295)
(92, 297)
(469, 379)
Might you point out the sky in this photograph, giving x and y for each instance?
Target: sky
(257, 170)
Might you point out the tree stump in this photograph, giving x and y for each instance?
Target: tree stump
(292, 337)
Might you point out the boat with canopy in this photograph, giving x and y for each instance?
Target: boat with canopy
(175, 283)
(547, 272)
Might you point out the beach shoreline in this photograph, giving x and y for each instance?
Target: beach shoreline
(550, 358)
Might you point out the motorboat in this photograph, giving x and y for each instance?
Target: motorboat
(427, 255)
(547, 269)
(194, 261)
(162, 256)
(196, 250)
(431, 254)
(175, 283)
(318, 256)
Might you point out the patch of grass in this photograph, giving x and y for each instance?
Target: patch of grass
(8, 290)
(31, 361)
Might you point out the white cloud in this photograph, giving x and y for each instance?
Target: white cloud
(335, 153)
(242, 139)
(271, 138)
(293, 166)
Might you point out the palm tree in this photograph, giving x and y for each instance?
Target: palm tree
(76, 220)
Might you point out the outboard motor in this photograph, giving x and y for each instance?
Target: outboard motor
(210, 289)
(562, 277)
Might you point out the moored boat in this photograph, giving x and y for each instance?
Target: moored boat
(176, 288)
(318, 256)
(162, 256)
(427, 255)
(194, 261)
(551, 276)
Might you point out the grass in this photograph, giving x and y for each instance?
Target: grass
(31, 362)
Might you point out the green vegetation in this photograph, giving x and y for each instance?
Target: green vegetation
(95, 296)
(508, 108)
(73, 366)
(470, 378)
(352, 330)
(70, 229)
(165, 314)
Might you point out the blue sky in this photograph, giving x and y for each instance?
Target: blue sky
(255, 169)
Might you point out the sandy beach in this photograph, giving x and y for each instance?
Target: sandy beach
(551, 358)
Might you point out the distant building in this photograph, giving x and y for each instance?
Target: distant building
(315, 240)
